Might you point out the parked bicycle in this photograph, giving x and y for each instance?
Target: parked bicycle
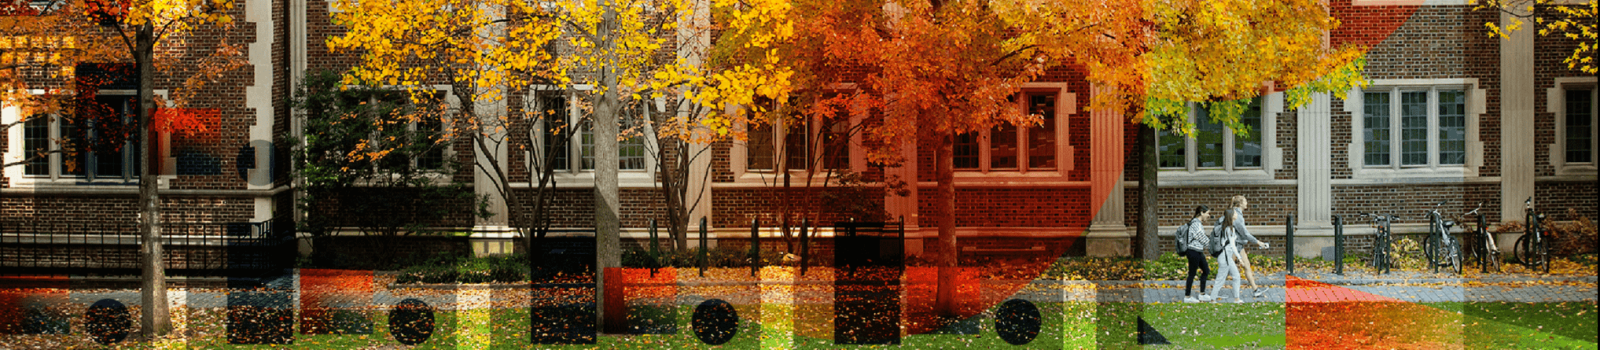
(1483, 248)
(1381, 249)
(1532, 249)
(1441, 249)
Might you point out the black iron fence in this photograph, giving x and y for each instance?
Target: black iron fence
(38, 247)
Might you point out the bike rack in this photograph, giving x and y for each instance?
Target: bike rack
(1338, 245)
(1288, 245)
(703, 246)
(755, 247)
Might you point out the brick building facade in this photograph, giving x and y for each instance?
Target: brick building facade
(1451, 115)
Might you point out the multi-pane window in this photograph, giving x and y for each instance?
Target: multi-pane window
(1426, 125)
(1213, 146)
(1580, 129)
(795, 147)
(1247, 148)
(553, 111)
(1009, 147)
(1452, 127)
(1413, 128)
(397, 113)
(760, 148)
(836, 144)
(630, 150)
(1375, 128)
(36, 141)
(1208, 140)
(1042, 139)
(966, 151)
(102, 138)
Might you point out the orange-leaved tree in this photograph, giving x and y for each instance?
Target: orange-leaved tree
(158, 36)
(1221, 53)
(40, 45)
(937, 69)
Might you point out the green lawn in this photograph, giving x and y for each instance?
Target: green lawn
(1497, 325)
(1218, 325)
(1065, 325)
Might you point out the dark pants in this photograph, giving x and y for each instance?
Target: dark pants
(1196, 261)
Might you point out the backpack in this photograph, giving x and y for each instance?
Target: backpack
(1218, 241)
(1181, 238)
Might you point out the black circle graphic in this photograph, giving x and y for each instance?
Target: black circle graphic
(108, 321)
(715, 321)
(411, 321)
(1017, 321)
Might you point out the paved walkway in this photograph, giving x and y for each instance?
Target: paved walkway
(1503, 289)
(1313, 288)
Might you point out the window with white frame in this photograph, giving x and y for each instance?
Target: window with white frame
(558, 117)
(1413, 127)
(1007, 147)
(630, 150)
(99, 143)
(1579, 106)
(823, 142)
(395, 111)
(1213, 145)
(763, 146)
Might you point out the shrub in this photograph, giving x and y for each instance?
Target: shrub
(1573, 237)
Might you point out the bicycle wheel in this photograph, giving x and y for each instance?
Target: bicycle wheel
(1455, 256)
(1527, 251)
(1544, 254)
(1430, 253)
(1383, 255)
(1435, 251)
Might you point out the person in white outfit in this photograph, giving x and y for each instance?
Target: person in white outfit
(1233, 234)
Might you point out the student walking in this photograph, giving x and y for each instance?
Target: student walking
(1232, 233)
(1242, 260)
(1192, 244)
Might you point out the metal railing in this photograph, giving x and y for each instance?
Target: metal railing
(40, 247)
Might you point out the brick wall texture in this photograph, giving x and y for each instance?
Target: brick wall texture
(1404, 42)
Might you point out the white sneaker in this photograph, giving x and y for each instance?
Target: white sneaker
(1260, 292)
(1238, 301)
(1206, 298)
(1190, 300)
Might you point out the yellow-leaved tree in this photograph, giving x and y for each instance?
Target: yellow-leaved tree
(1222, 54)
(610, 62)
(1574, 20)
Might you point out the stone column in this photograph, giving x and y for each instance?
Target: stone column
(1516, 121)
(1107, 235)
(1314, 214)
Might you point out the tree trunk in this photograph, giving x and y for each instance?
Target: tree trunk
(945, 303)
(608, 245)
(1147, 193)
(155, 321)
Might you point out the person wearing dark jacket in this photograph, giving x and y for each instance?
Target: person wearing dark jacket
(1192, 244)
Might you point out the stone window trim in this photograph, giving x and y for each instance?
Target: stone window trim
(1066, 106)
(1271, 154)
(438, 177)
(1411, 2)
(1556, 100)
(15, 152)
(574, 176)
(1475, 107)
(739, 161)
